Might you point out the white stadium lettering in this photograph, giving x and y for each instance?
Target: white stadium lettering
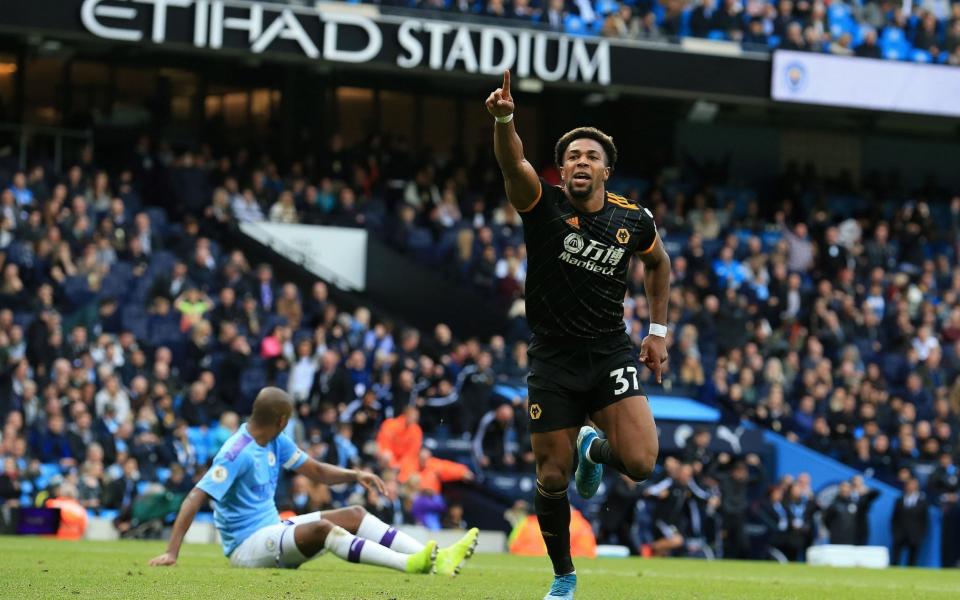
(434, 44)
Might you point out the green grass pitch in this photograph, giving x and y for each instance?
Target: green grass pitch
(43, 568)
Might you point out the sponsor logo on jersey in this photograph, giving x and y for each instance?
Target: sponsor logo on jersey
(219, 474)
(573, 243)
(535, 411)
(591, 255)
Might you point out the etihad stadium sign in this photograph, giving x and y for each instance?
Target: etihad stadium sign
(337, 35)
(349, 34)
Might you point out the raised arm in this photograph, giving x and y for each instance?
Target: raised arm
(188, 511)
(519, 176)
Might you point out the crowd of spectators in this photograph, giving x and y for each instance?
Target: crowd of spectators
(132, 341)
(712, 504)
(131, 348)
(926, 31)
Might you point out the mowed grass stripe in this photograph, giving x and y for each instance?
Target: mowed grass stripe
(46, 568)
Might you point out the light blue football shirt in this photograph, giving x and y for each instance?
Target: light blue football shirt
(243, 480)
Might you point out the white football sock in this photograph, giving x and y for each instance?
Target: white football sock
(376, 530)
(354, 549)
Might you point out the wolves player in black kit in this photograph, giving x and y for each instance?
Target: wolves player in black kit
(580, 239)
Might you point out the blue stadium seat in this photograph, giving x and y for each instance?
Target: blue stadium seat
(109, 514)
(76, 289)
(215, 251)
(164, 333)
(158, 218)
(773, 41)
(49, 470)
(420, 242)
(716, 34)
(116, 286)
(122, 269)
(23, 319)
(659, 12)
(838, 10)
(574, 24)
(162, 474)
(913, 22)
(134, 318)
(270, 321)
(509, 392)
(161, 262)
(892, 35)
(251, 382)
(841, 26)
(675, 243)
(19, 254)
(895, 51)
(605, 7)
(859, 31)
(921, 56)
(712, 247)
(201, 442)
(216, 359)
(625, 185)
(685, 22)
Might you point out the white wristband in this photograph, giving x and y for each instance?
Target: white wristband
(658, 330)
(505, 119)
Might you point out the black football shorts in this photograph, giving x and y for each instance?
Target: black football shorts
(569, 380)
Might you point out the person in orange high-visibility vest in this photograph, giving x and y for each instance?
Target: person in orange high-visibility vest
(73, 516)
(401, 438)
(433, 472)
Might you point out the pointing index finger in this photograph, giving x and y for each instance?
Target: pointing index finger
(506, 82)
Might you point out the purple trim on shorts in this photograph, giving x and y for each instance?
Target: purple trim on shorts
(387, 538)
(355, 547)
(237, 448)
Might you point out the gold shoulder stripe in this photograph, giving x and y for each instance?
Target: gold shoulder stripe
(621, 202)
(533, 204)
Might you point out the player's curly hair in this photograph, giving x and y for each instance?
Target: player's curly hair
(590, 133)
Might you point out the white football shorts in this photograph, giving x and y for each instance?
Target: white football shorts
(273, 546)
